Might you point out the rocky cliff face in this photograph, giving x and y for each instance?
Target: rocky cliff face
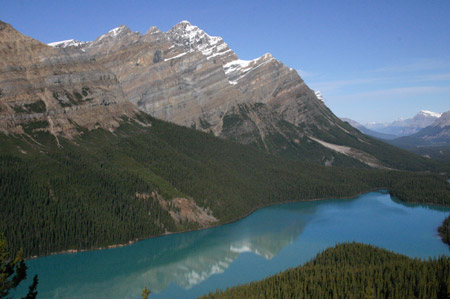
(190, 78)
(183, 76)
(46, 88)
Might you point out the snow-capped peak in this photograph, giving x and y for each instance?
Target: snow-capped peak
(191, 38)
(430, 113)
(67, 43)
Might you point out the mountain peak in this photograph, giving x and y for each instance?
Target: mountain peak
(429, 113)
(121, 30)
(153, 30)
(190, 38)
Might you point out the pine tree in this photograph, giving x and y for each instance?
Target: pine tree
(13, 272)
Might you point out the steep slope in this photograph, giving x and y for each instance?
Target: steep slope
(192, 79)
(56, 90)
(103, 188)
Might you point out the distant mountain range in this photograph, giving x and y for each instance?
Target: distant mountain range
(405, 127)
(430, 141)
(367, 131)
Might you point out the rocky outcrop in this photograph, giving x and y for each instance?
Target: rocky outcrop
(190, 78)
(47, 88)
(183, 76)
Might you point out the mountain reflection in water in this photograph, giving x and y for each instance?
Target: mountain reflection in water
(183, 259)
(272, 239)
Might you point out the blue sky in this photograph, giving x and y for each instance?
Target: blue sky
(372, 60)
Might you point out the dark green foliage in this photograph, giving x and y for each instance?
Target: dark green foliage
(204, 124)
(444, 231)
(36, 107)
(84, 194)
(12, 272)
(63, 103)
(353, 271)
(56, 96)
(70, 97)
(74, 98)
(424, 190)
(32, 289)
(29, 127)
(19, 109)
(85, 91)
(77, 95)
(441, 153)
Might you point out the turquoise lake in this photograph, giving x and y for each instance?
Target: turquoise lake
(270, 240)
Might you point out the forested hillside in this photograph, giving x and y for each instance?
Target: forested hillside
(353, 271)
(105, 188)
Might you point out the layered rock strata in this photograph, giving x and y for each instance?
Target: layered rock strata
(53, 89)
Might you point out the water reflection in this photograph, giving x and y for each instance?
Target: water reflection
(269, 241)
(184, 260)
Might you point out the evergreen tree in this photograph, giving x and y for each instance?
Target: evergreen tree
(12, 272)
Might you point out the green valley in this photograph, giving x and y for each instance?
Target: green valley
(104, 188)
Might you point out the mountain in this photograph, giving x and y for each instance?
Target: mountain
(190, 78)
(86, 169)
(369, 132)
(438, 131)
(407, 126)
(51, 89)
(432, 141)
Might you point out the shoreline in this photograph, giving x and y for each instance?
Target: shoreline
(69, 251)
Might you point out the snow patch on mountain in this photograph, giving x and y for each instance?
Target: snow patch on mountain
(115, 32)
(430, 113)
(319, 95)
(408, 126)
(191, 38)
(177, 56)
(237, 69)
(67, 43)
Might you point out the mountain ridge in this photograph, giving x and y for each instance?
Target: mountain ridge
(189, 78)
(405, 127)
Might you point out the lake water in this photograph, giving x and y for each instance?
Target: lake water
(270, 240)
